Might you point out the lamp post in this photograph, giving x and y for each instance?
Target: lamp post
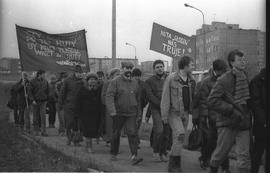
(204, 39)
(128, 44)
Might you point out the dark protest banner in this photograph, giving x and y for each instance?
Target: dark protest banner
(51, 52)
(171, 43)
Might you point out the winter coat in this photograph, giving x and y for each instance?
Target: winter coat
(154, 87)
(69, 91)
(39, 90)
(205, 89)
(221, 100)
(89, 107)
(123, 97)
(258, 98)
(172, 99)
(143, 95)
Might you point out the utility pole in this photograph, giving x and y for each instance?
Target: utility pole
(113, 33)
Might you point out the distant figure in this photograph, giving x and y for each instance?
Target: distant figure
(108, 119)
(52, 101)
(67, 101)
(89, 107)
(137, 75)
(38, 95)
(22, 90)
(161, 131)
(60, 113)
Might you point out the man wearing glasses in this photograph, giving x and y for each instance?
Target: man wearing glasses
(123, 105)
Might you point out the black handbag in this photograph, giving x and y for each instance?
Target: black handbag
(195, 138)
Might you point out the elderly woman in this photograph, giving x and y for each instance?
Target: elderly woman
(88, 107)
(108, 119)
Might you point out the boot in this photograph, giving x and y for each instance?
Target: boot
(244, 170)
(178, 167)
(213, 169)
(171, 163)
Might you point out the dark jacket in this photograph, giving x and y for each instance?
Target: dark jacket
(39, 90)
(143, 95)
(52, 92)
(172, 96)
(123, 97)
(205, 89)
(221, 100)
(154, 87)
(69, 91)
(258, 98)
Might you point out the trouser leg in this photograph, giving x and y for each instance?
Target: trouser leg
(21, 115)
(178, 134)
(242, 150)
(165, 139)
(157, 130)
(15, 115)
(27, 117)
(131, 129)
(225, 141)
(36, 116)
(43, 116)
(52, 111)
(118, 123)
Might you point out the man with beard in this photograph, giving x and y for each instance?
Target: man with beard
(123, 104)
(161, 131)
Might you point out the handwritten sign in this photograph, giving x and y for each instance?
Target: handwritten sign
(171, 43)
(51, 52)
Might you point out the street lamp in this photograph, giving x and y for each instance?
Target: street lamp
(204, 40)
(134, 48)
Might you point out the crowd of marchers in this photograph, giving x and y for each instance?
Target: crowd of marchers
(230, 110)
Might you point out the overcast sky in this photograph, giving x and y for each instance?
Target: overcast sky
(133, 23)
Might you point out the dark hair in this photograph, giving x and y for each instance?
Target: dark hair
(100, 73)
(40, 72)
(219, 65)
(136, 72)
(184, 61)
(157, 62)
(78, 69)
(232, 54)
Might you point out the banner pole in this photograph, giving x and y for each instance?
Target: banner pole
(25, 93)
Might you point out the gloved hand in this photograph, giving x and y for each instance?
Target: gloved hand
(236, 118)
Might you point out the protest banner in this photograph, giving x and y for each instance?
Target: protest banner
(51, 52)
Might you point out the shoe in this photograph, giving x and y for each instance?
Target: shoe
(108, 144)
(114, 158)
(226, 171)
(156, 157)
(213, 169)
(68, 142)
(89, 150)
(44, 134)
(163, 158)
(135, 160)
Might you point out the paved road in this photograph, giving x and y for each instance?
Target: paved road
(101, 158)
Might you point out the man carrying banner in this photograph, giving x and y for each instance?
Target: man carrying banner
(38, 95)
(67, 99)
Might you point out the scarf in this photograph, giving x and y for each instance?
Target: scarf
(241, 92)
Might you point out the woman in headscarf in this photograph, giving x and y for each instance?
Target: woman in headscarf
(88, 107)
